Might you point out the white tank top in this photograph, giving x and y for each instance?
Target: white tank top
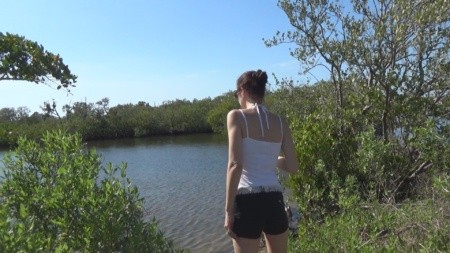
(259, 161)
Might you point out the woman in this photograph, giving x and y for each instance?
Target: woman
(254, 202)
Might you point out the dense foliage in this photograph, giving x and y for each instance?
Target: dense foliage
(56, 197)
(373, 142)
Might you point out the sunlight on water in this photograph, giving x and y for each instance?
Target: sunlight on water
(183, 184)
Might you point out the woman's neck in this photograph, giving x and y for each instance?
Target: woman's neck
(251, 104)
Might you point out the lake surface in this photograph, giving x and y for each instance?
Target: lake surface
(182, 179)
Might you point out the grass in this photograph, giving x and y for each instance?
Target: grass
(412, 226)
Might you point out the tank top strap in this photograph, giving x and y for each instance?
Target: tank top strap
(245, 120)
(262, 108)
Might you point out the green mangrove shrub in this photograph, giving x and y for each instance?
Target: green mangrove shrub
(57, 197)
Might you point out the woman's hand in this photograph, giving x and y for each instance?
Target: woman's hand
(281, 164)
(228, 224)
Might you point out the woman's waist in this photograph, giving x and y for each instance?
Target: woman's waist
(249, 189)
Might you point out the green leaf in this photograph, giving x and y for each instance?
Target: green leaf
(23, 211)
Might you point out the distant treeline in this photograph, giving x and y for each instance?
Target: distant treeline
(100, 121)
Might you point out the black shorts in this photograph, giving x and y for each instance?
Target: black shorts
(259, 212)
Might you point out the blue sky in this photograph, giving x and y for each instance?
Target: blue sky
(147, 50)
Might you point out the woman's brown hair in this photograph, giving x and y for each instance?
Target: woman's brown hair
(254, 82)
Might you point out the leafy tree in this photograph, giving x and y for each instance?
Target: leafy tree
(102, 107)
(394, 53)
(217, 117)
(25, 60)
(22, 113)
(81, 110)
(57, 197)
(49, 110)
(11, 114)
(301, 100)
(388, 62)
(7, 114)
(122, 119)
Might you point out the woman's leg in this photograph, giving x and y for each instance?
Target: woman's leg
(244, 245)
(277, 243)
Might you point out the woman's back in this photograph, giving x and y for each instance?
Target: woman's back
(262, 125)
(261, 144)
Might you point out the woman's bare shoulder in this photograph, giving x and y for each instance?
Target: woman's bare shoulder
(233, 115)
(234, 110)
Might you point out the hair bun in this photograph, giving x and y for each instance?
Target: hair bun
(261, 76)
(254, 82)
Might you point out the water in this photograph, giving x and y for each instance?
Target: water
(182, 179)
